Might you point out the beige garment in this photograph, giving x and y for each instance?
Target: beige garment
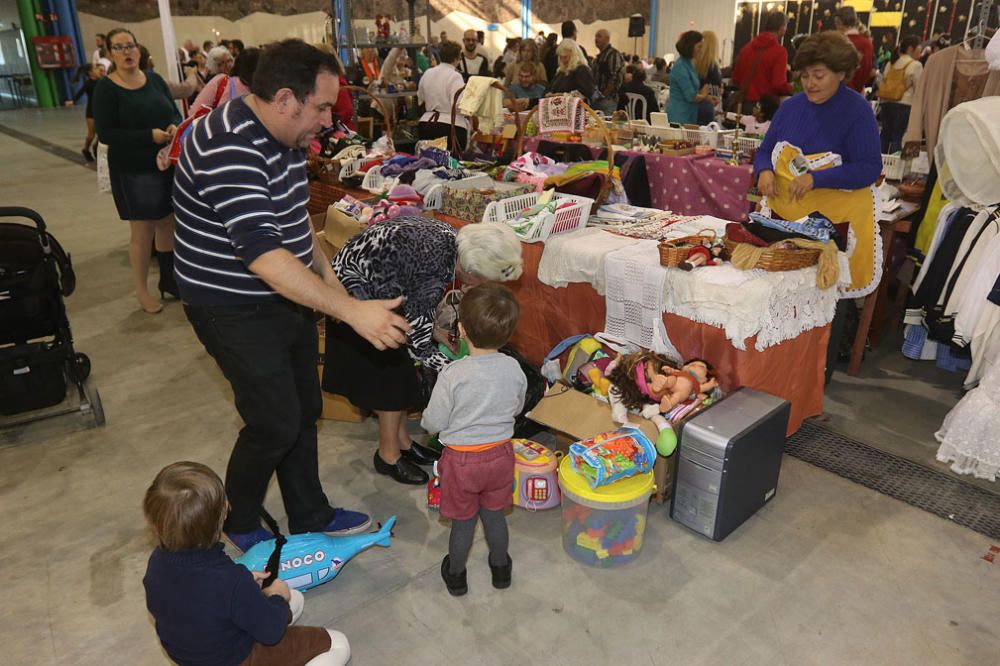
(482, 100)
(930, 103)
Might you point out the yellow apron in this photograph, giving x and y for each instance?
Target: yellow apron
(856, 207)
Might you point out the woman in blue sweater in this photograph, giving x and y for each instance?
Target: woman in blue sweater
(826, 117)
(686, 91)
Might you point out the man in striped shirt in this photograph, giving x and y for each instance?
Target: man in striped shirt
(250, 275)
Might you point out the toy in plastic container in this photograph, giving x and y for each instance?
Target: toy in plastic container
(611, 456)
(307, 560)
(536, 476)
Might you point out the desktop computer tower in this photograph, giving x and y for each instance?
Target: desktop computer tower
(729, 457)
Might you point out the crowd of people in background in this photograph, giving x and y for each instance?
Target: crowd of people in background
(607, 78)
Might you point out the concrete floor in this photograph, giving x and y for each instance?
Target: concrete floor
(828, 573)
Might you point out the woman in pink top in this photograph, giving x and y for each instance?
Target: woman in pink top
(237, 83)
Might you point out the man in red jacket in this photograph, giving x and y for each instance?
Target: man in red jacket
(762, 66)
(846, 20)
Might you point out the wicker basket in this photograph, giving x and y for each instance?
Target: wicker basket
(673, 252)
(775, 259)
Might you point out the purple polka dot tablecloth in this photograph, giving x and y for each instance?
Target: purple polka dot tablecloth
(693, 184)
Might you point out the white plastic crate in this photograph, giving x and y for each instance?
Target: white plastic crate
(893, 166)
(376, 183)
(566, 220)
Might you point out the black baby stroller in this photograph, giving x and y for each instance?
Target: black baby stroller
(37, 360)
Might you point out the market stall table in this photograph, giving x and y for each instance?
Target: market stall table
(691, 184)
(793, 369)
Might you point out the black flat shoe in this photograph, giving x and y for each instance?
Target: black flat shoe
(87, 155)
(420, 455)
(501, 574)
(456, 584)
(403, 471)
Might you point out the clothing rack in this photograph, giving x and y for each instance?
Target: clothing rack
(985, 7)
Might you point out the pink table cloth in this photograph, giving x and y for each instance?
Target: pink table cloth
(693, 184)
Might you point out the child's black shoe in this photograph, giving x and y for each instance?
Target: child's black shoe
(501, 574)
(456, 583)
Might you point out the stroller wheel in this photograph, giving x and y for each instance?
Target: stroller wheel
(80, 367)
(96, 406)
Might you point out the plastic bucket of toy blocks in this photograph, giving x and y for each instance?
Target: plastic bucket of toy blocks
(604, 526)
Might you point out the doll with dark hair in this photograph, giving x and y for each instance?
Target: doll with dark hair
(630, 376)
(645, 378)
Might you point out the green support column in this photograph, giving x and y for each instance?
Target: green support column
(44, 84)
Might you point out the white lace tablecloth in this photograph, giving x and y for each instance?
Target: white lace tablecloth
(772, 306)
(579, 257)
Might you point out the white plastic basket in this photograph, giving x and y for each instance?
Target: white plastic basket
(563, 221)
(893, 166)
(376, 183)
(709, 137)
(748, 144)
(352, 168)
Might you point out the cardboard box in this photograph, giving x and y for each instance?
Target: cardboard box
(580, 416)
(334, 229)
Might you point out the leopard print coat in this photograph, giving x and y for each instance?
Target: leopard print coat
(404, 256)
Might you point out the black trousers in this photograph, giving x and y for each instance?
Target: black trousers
(268, 353)
(895, 117)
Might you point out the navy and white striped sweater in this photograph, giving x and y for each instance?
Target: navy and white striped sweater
(238, 193)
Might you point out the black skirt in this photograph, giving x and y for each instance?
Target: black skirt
(369, 378)
(143, 196)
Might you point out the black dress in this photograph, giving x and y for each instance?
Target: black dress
(406, 256)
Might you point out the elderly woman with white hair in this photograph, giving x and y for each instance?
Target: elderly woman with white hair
(417, 258)
(219, 61)
(573, 76)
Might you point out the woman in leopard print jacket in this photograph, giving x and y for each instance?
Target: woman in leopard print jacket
(417, 258)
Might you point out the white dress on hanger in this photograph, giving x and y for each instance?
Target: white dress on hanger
(969, 435)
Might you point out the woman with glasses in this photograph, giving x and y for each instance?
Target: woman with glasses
(135, 117)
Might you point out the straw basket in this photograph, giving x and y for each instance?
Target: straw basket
(473, 135)
(673, 252)
(775, 259)
(605, 136)
(387, 118)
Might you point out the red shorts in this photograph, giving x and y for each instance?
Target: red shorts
(474, 480)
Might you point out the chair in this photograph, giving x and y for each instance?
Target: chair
(662, 91)
(473, 135)
(635, 105)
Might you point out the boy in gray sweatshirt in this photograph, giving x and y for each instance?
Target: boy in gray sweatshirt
(472, 408)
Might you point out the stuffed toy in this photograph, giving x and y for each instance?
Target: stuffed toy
(401, 200)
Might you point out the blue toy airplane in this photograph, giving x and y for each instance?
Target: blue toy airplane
(311, 559)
